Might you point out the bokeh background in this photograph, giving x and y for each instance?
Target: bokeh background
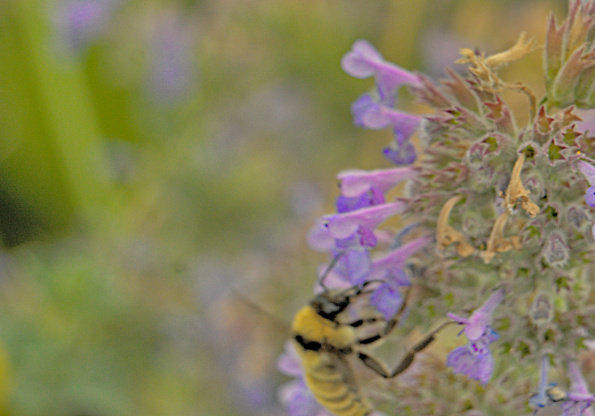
(160, 164)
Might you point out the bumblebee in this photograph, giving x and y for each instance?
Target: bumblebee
(327, 344)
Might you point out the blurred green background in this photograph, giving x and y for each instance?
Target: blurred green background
(160, 165)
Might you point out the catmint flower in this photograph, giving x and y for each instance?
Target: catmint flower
(368, 198)
(402, 152)
(364, 61)
(579, 399)
(541, 399)
(479, 322)
(354, 182)
(372, 115)
(389, 268)
(344, 225)
(295, 395)
(588, 171)
(474, 359)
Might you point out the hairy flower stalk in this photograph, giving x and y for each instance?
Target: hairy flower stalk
(499, 226)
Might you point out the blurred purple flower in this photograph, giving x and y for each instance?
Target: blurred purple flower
(402, 153)
(81, 21)
(364, 61)
(170, 67)
(295, 395)
(474, 359)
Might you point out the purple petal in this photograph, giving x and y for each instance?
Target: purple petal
(401, 154)
(395, 260)
(578, 385)
(482, 317)
(362, 60)
(588, 171)
(288, 363)
(369, 114)
(343, 225)
(367, 198)
(354, 265)
(590, 196)
(298, 400)
(477, 367)
(320, 238)
(355, 182)
(387, 300)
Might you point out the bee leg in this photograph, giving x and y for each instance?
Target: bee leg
(380, 368)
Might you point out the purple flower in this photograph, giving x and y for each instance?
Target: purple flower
(364, 61)
(368, 198)
(170, 69)
(354, 266)
(389, 268)
(295, 395)
(478, 323)
(474, 359)
(355, 182)
(80, 22)
(372, 115)
(541, 399)
(343, 225)
(402, 153)
(579, 398)
(588, 171)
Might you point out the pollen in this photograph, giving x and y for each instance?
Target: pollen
(517, 192)
(447, 235)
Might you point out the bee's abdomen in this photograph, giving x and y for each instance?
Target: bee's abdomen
(331, 390)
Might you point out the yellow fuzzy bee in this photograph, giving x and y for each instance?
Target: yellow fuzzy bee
(327, 342)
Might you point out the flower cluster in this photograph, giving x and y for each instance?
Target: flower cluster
(501, 210)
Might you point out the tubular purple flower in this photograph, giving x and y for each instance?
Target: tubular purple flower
(478, 323)
(541, 399)
(387, 299)
(474, 359)
(344, 225)
(288, 363)
(402, 153)
(355, 182)
(369, 114)
(354, 266)
(368, 198)
(364, 61)
(579, 397)
(588, 172)
(393, 262)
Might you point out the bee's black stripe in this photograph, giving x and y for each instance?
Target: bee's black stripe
(308, 345)
(369, 340)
